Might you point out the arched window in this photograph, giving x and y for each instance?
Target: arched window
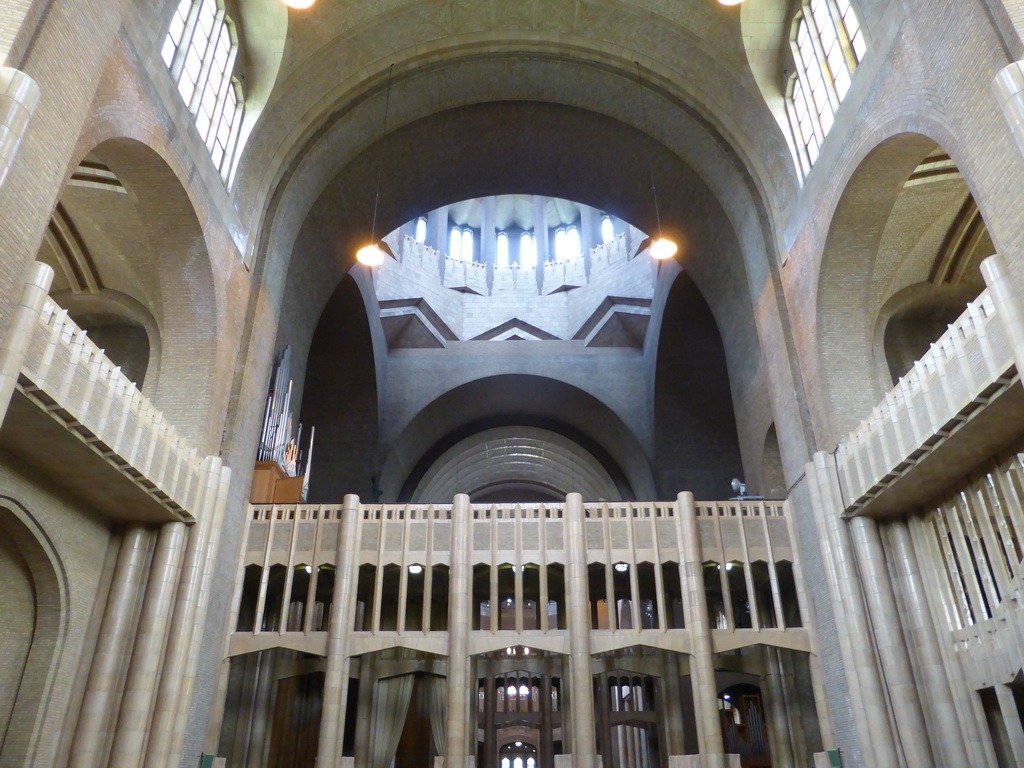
(573, 247)
(527, 251)
(561, 250)
(467, 244)
(502, 250)
(607, 229)
(421, 230)
(455, 243)
(827, 45)
(200, 51)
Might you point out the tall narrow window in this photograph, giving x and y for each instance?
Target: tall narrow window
(467, 244)
(421, 230)
(455, 243)
(200, 51)
(527, 251)
(502, 250)
(827, 45)
(573, 246)
(561, 253)
(607, 229)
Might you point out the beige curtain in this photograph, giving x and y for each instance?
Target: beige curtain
(390, 707)
(437, 702)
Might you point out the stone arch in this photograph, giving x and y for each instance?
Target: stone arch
(148, 263)
(896, 224)
(695, 434)
(120, 325)
(34, 606)
(510, 400)
(337, 377)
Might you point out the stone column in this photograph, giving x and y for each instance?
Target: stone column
(702, 663)
(24, 318)
(921, 633)
(457, 725)
(877, 738)
(1008, 88)
(540, 237)
(892, 647)
(437, 229)
(488, 235)
(364, 703)
(147, 655)
(99, 704)
(779, 717)
(437, 236)
(332, 717)
(674, 731)
(19, 97)
(159, 748)
(1007, 302)
(590, 232)
(581, 693)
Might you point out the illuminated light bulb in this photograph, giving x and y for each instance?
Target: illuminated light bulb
(414, 569)
(371, 255)
(663, 248)
(299, 4)
(730, 2)
(621, 567)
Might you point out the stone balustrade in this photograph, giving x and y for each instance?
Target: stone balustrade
(68, 376)
(964, 371)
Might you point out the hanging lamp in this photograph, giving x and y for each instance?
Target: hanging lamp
(373, 255)
(660, 247)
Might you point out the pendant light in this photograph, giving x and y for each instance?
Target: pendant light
(660, 247)
(373, 255)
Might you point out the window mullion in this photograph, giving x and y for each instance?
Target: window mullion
(186, 41)
(222, 95)
(204, 70)
(822, 56)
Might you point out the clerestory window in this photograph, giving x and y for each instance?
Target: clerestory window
(200, 50)
(827, 45)
(607, 229)
(502, 250)
(527, 251)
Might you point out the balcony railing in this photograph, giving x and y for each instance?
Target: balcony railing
(68, 376)
(963, 371)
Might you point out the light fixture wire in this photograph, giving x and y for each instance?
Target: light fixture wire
(380, 160)
(650, 166)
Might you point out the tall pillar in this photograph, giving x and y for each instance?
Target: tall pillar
(1008, 88)
(332, 718)
(581, 688)
(674, 728)
(876, 734)
(19, 97)
(364, 704)
(1007, 302)
(921, 634)
(159, 749)
(99, 705)
(702, 663)
(540, 237)
(15, 341)
(437, 236)
(780, 722)
(457, 720)
(147, 655)
(488, 237)
(590, 232)
(892, 647)
(437, 229)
